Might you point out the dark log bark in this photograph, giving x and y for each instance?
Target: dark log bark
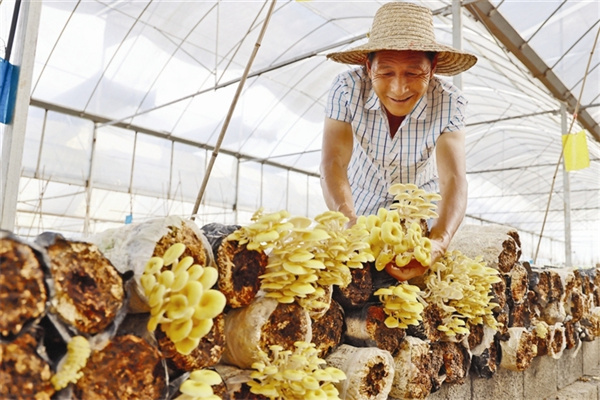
(23, 292)
(360, 289)
(456, 362)
(328, 331)
(366, 328)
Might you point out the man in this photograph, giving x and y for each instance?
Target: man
(392, 121)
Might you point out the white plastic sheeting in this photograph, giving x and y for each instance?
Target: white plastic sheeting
(128, 99)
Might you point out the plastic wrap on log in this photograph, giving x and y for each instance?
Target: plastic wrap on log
(572, 332)
(206, 354)
(263, 323)
(548, 303)
(24, 374)
(520, 314)
(88, 290)
(328, 331)
(23, 293)
(369, 372)
(557, 341)
(239, 272)
(433, 316)
(517, 284)
(456, 361)
(519, 350)
(131, 246)
(485, 351)
(128, 367)
(239, 268)
(499, 245)
(365, 327)
(235, 380)
(416, 370)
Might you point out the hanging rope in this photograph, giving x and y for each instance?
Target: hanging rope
(587, 68)
(230, 113)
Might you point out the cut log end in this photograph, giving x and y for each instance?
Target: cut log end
(127, 368)
(23, 373)
(23, 294)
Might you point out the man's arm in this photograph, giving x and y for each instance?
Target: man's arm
(451, 165)
(450, 154)
(335, 157)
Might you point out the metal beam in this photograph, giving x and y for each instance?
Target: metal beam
(486, 13)
(163, 135)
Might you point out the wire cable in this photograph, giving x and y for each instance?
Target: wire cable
(587, 68)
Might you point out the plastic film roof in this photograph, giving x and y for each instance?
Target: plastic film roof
(129, 98)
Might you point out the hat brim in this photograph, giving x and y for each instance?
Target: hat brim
(450, 61)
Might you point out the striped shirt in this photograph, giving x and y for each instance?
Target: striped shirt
(378, 160)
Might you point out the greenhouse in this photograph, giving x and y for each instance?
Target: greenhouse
(120, 116)
(128, 100)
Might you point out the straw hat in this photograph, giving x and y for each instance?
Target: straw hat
(406, 26)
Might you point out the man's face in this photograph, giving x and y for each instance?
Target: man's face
(400, 79)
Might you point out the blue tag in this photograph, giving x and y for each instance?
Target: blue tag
(128, 219)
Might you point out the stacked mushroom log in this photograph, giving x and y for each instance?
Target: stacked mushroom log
(283, 308)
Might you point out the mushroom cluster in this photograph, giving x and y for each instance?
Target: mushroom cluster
(180, 297)
(413, 203)
(461, 286)
(294, 375)
(390, 240)
(198, 386)
(78, 352)
(305, 256)
(402, 304)
(267, 230)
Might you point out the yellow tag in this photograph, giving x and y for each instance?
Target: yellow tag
(575, 151)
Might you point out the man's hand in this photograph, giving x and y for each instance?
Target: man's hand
(414, 267)
(438, 249)
(409, 271)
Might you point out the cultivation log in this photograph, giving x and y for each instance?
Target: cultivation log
(128, 367)
(519, 350)
(417, 370)
(89, 293)
(365, 327)
(24, 374)
(23, 293)
(499, 245)
(263, 323)
(239, 268)
(328, 331)
(130, 247)
(369, 372)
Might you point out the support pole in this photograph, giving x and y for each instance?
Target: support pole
(215, 152)
(567, 192)
(457, 30)
(13, 135)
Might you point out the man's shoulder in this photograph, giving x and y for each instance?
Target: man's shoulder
(439, 86)
(353, 76)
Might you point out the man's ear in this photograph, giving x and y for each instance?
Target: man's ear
(434, 63)
(368, 67)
